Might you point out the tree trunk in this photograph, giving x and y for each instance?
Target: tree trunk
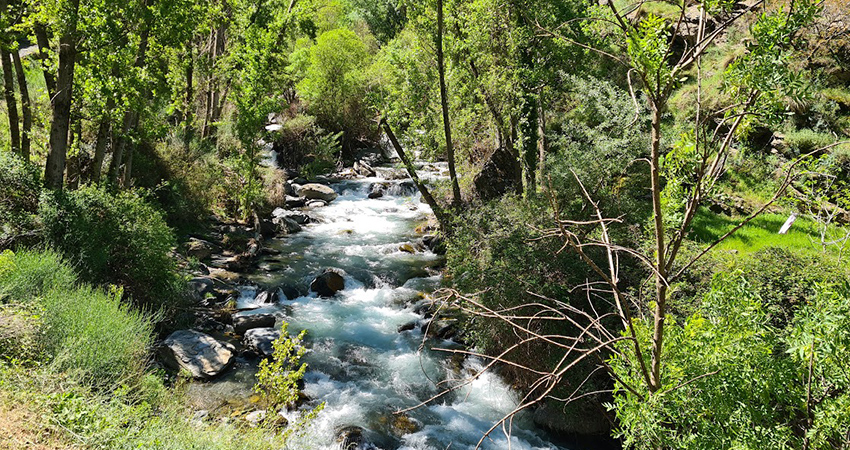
(190, 101)
(73, 167)
(530, 139)
(660, 249)
(444, 101)
(55, 167)
(11, 102)
(411, 170)
(103, 134)
(541, 141)
(122, 153)
(43, 41)
(26, 109)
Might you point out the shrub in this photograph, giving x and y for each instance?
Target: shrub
(20, 185)
(115, 238)
(28, 274)
(95, 333)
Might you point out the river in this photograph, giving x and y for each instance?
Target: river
(359, 364)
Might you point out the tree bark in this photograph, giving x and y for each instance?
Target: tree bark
(411, 170)
(660, 249)
(541, 141)
(74, 162)
(11, 102)
(444, 101)
(190, 100)
(122, 153)
(43, 40)
(55, 167)
(26, 108)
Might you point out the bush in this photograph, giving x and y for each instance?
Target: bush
(26, 275)
(94, 333)
(20, 185)
(116, 238)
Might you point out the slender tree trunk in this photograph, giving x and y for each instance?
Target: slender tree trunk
(190, 100)
(26, 109)
(43, 40)
(411, 170)
(103, 134)
(444, 101)
(541, 141)
(55, 167)
(122, 154)
(660, 249)
(73, 166)
(530, 139)
(11, 102)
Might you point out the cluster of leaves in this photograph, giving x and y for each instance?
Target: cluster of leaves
(745, 372)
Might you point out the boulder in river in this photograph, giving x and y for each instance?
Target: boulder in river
(295, 202)
(199, 287)
(285, 225)
(199, 354)
(260, 340)
(350, 437)
(270, 296)
(317, 203)
(316, 191)
(328, 283)
(363, 169)
(289, 291)
(200, 249)
(244, 323)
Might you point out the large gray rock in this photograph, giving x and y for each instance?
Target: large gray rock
(328, 283)
(200, 249)
(285, 225)
(260, 340)
(197, 353)
(318, 191)
(242, 324)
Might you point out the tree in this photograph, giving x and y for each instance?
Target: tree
(444, 103)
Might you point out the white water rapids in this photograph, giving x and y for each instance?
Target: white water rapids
(358, 363)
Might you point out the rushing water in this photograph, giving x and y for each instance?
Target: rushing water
(359, 364)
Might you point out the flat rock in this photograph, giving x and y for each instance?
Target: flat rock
(317, 191)
(260, 340)
(244, 323)
(197, 353)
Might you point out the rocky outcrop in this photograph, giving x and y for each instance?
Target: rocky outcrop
(244, 323)
(316, 191)
(328, 283)
(200, 249)
(284, 225)
(197, 353)
(500, 174)
(260, 340)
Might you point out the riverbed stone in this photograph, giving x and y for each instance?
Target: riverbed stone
(294, 202)
(328, 283)
(317, 203)
(244, 323)
(317, 191)
(285, 225)
(200, 249)
(350, 437)
(198, 353)
(260, 340)
(270, 296)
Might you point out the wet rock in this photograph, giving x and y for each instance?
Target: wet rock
(442, 328)
(289, 291)
(295, 216)
(407, 248)
(266, 227)
(295, 202)
(300, 181)
(242, 324)
(285, 225)
(375, 194)
(407, 326)
(402, 424)
(260, 340)
(434, 243)
(328, 283)
(270, 296)
(363, 169)
(199, 287)
(350, 437)
(318, 203)
(200, 249)
(316, 191)
(197, 353)
(224, 275)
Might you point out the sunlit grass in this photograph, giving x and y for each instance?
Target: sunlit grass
(761, 232)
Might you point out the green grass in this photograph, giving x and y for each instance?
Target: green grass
(759, 233)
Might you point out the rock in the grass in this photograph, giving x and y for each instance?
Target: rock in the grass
(197, 353)
(255, 417)
(328, 283)
(317, 191)
(350, 437)
(242, 324)
(200, 249)
(270, 296)
(260, 340)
